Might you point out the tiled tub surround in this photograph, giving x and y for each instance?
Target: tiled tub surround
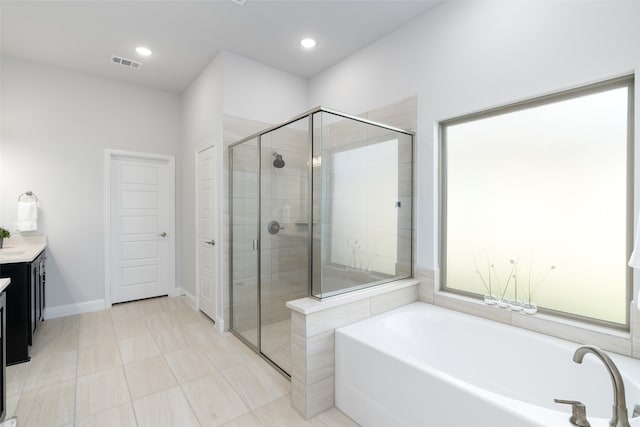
(622, 342)
(149, 363)
(312, 337)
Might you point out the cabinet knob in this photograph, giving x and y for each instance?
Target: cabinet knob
(163, 234)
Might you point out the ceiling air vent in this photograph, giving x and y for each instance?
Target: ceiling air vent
(126, 62)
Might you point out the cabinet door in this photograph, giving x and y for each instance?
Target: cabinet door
(41, 281)
(34, 299)
(3, 364)
(33, 274)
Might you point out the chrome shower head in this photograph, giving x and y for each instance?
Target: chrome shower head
(278, 162)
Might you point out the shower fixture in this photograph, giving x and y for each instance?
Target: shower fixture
(278, 162)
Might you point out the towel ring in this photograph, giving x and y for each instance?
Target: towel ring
(28, 193)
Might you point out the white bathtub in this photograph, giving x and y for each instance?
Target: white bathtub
(422, 365)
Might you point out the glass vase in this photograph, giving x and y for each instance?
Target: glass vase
(516, 305)
(529, 308)
(490, 299)
(504, 302)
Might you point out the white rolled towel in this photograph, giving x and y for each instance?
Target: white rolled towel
(27, 215)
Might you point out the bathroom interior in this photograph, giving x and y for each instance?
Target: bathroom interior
(426, 219)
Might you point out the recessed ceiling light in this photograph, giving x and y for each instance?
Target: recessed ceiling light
(143, 51)
(308, 43)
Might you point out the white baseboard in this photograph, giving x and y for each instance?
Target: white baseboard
(71, 309)
(191, 300)
(220, 324)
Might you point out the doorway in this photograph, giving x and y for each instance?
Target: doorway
(207, 265)
(139, 226)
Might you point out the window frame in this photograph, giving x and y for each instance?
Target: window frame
(627, 81)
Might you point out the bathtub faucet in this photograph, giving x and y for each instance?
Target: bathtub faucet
(620, 417)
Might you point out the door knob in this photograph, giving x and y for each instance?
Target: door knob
(163, 234)
(211, 242)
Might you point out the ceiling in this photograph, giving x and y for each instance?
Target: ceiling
(186, 35)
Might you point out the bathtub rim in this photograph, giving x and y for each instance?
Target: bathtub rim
(511, 405)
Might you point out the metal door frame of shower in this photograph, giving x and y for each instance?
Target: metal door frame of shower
(258, 136)
(258, 247)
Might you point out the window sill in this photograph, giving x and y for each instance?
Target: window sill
(583, 333)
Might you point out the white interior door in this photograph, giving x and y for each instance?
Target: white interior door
(141, 218)
(206, 211)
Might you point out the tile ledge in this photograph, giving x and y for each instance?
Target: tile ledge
(309, 305)
(536, 320)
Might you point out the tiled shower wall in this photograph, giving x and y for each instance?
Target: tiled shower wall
(312, 334)
(284, 193)
(361, 241)
(235, 129)
(285, 270)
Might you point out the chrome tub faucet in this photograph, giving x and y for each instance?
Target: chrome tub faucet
(620, 417)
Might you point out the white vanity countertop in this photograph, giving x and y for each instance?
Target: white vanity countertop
(4, 282)
(22, 248)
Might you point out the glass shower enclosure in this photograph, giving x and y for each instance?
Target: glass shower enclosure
(319, 206)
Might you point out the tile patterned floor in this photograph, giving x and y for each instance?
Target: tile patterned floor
(149, 363)
(276, 343)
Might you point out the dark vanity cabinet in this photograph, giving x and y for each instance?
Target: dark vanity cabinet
(25, 306)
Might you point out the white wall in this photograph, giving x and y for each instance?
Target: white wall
(258, 92)
(55, 127)
(463, 57)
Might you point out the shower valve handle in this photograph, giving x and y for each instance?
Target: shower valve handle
(274, 227)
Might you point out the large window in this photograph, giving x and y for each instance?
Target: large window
(536, 202)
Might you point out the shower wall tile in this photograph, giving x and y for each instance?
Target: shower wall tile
(427, 283)
(299, 396)
(395, 299)
(244, 264)
(298, 356)
(635, 328)
(572, 331)
(343, 133)
(404, 212)
(237, 128)
(288, 259)
(313, 358)
(245, 211)
(461, 304)
(313, 343)
(312, 399)
(298, 324)
(320, 396)
(401, 114)
(320, 357)
(326, 320)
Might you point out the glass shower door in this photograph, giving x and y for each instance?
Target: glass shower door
(284, 235)
(244, 169)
